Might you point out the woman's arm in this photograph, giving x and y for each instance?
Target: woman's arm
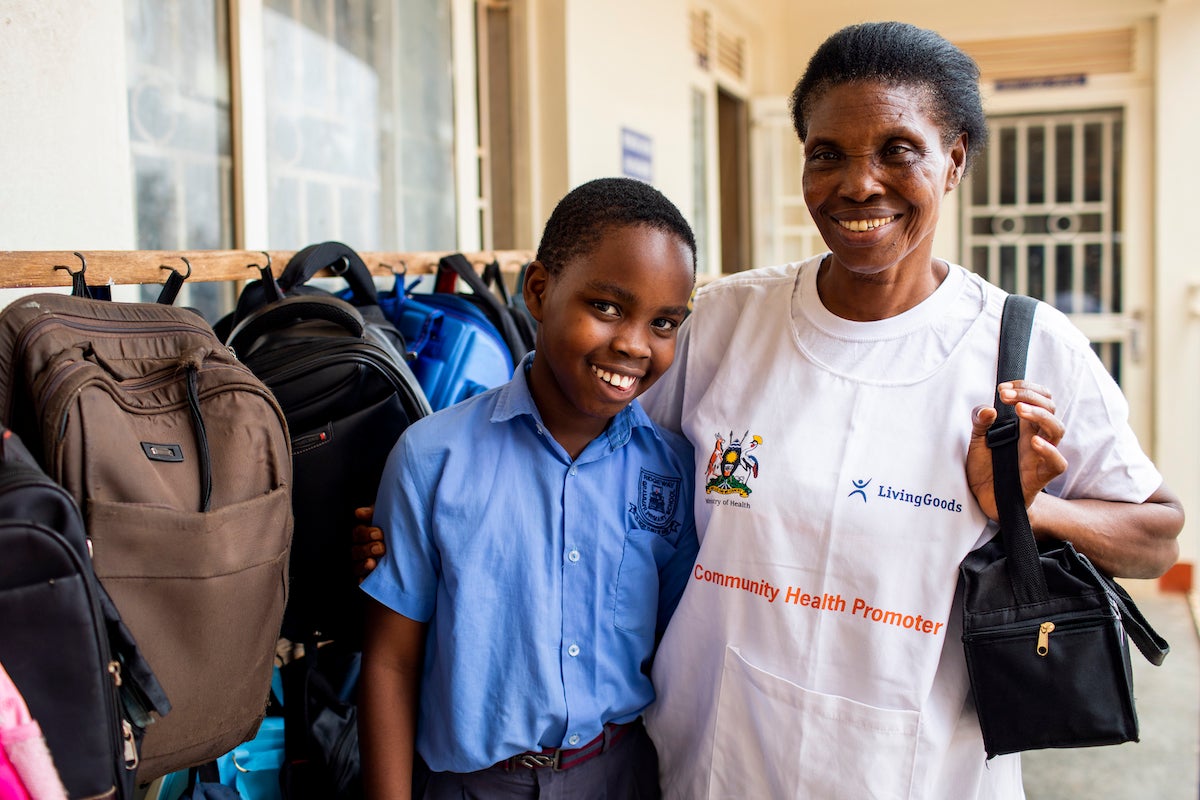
(1132, 540)
(393, 653)
(1125, 540)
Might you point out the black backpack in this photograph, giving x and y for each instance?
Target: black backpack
(337, 369)
(61, 639)
(347, 394)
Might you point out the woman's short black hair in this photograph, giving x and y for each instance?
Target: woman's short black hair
(899, 54)
(581, 217)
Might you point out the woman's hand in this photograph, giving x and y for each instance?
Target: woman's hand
(1037, 447)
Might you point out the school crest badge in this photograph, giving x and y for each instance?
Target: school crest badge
(658, 498)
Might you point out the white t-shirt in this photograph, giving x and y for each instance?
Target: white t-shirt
(816, 651)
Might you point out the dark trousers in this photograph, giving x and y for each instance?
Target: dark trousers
(627, 771)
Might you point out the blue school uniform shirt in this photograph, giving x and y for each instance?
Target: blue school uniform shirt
(543, 580)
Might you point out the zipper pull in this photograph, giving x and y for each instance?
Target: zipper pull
(1043, 645)
(114, 669)
(131, 753)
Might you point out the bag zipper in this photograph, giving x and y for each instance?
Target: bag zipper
(1039, 631)
(153, 380)
(33, 329)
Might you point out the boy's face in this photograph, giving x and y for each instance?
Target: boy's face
(607, 324)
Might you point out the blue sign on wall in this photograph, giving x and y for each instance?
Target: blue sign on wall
(637, 155)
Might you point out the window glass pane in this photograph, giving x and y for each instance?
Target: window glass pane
(360, 123)
(1093, 162)
(177, 71)
(1008, 165)
(1036, 142)
(1064, 144)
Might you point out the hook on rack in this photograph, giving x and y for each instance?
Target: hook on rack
(82, 266)
(173, 283)
(270, 286)
(79, 287)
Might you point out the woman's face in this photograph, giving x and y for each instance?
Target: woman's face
(875, 172)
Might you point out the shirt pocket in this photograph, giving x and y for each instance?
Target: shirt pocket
(636, 600)
(776, 739)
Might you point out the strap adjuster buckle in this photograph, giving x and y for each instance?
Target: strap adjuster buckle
(1002, 433)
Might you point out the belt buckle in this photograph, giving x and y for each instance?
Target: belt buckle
(539, 760)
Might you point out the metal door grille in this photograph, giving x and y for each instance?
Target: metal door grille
(1042, 213)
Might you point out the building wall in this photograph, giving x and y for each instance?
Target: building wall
(1177, 289)
(64, 127)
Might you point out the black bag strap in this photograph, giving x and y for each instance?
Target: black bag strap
(1024, 566)
(456, 266)
(1147, 640)
(341, 260)
(525, 324)
(173, 283)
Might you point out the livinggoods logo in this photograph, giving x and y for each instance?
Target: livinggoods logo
(918, 499)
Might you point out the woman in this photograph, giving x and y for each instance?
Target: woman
(816, 651)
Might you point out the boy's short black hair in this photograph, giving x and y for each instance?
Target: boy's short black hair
(899, 54)
(581, 217)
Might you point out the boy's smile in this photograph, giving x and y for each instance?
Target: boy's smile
(608, 321)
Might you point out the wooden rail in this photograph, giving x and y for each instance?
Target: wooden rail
(29, 269)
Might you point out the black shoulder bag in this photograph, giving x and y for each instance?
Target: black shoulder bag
(1044, 631)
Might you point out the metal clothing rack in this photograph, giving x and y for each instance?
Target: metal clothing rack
(35, 269)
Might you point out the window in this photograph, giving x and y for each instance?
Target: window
(177, 68)
(360, 127)
(354, 107)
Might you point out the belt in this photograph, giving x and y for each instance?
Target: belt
(560, 758)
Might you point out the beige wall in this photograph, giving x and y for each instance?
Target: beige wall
(1177, 290)
(803, 25)
(64, 144)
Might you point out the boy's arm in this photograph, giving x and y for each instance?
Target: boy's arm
(393, 654)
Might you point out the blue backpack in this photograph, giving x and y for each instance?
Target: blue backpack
(458, 351)
(459, 344)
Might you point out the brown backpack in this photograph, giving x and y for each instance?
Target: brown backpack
(178, 457)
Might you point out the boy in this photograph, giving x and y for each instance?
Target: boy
(539, 535)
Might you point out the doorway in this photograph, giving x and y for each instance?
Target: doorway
(733, 155)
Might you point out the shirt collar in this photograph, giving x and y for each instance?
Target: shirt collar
(515, 400)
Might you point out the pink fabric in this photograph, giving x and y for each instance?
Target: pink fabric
(11, 787)
(23, 750)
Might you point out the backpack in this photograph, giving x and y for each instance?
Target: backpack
(490, 295)
(177, 456)
(456, 351)
(460, 344)
(347, 394)
(62, 640)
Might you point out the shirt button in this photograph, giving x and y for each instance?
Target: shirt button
(573, 650)
(574, 469)
(573, 739)
(573, 556)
